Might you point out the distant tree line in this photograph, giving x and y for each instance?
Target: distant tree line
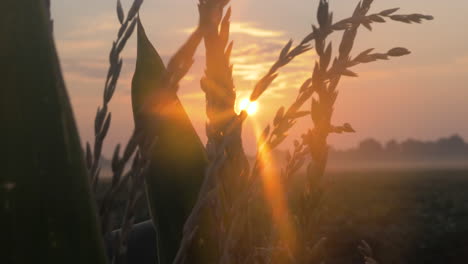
(449, 148)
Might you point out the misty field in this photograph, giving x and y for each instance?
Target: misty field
(407, 216)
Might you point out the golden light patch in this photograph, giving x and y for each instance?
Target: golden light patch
(246, 29)
(275, 195)
(246, 105)
(249, 29)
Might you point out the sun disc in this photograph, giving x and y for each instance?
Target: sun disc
(246, 105)
(252, 108)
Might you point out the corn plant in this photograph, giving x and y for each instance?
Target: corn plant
(158, 117)
(204, 201)
(224, 137)
(177, 157)
(47, 212)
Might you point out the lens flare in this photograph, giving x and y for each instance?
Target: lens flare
(275, 195)
(250, 107)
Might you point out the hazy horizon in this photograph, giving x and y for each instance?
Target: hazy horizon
(419, 96)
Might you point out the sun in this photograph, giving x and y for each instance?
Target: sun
(250, 107)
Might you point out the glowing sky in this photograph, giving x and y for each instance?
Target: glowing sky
(424, 95)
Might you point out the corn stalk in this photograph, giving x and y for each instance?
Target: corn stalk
(47, 213)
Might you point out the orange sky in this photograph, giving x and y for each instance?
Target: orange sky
(424, 95)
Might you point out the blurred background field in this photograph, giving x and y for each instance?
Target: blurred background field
(406, 215)
(407, 199)
(409, 216)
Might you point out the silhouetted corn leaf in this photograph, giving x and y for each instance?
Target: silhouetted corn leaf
(286, 49)
(261, 86)
(177, 160)
(224, 28)
(363, 54)
(120, 13)
(89, 155)
(306, 85)
(367, 25)
(322, 13)
(264, 135)
(300, 114)
(349, 73)
(134, 9)
(345, 128)
(325, 60)
(377, 19)
(105, 127)
(389, 11)
(397, 52)
(413, 18)
(357, 10)
(228, 51)
(126, 36)
(380, 56)
(279, 116)
(47, 213)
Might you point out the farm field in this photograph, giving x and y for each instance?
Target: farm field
(407, 216)
(412, 216)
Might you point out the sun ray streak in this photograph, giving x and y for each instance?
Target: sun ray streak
(275, 195)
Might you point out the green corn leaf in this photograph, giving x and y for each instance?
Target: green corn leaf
(178, 159)
(47, 214)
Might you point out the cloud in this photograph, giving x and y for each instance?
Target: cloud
(247, 28)
(251, 30)
(88, 36)
(252, 58)
(255, 50)
(80, 46)
(84, 72)
(86, 76)
(94, 26)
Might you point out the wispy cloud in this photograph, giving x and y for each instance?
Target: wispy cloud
(88, 36)
(247, 28)
(251, 30)
(74, 47)
(84, 70)
(253, 56)
(92, 26)
(255, 50)
(89, 74)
